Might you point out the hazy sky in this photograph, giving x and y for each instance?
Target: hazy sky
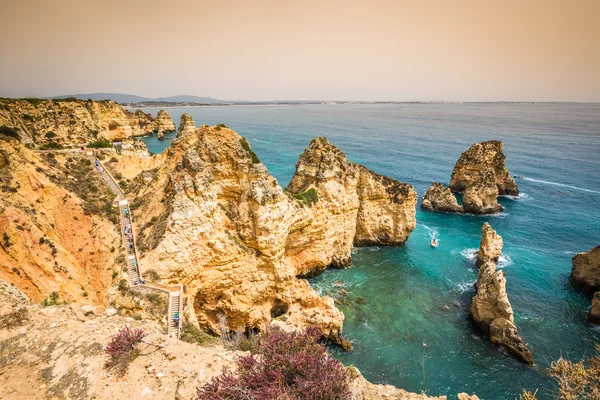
(455, 50)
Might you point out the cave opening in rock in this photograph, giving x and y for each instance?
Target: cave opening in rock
(279, 308)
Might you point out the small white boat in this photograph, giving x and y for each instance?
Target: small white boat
(434, 243)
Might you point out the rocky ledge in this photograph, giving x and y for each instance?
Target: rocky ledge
(481, 196)
(490, 309)
(481, 157)
(594, 314)
(134, 147)
(440, 198)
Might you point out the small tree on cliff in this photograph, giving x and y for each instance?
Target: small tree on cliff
(287, 366)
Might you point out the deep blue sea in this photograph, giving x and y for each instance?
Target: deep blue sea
(417, 294)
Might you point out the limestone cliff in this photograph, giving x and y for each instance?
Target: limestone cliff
(71, 122)
(214, 219)
(490, 309)
(440, 198)
(57, 231)
(163, 124)
(134, 147)
(481, 195)
(186, 125)
(478, 158)
(585, 272)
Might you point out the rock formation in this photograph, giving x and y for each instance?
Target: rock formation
(441, 199)
(594, 315)
(186, 125)
(134, 147)
(353, 205)
(56, 225)
(71, 122)
(481, 195)
(214, 219)
(585, 272)
(490, 309)
(163, 124)
(478, 158)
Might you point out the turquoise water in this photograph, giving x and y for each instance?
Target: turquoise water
(415, 293)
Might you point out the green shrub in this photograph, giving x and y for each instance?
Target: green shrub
(100, 143)
(50, 135)
(122, 286)
(27, 117)
(8, 131)
(191, 334)
(308, 197)
(33, 101)
(248, 149)
(51, 146)
(52, 300)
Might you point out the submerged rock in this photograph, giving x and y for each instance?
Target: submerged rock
(186, 125)
(490, 309)
(481, 157)
(134, 147)
(481, 196)
(585, 272)
(440, 198)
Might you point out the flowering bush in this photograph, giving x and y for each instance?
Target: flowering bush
(287, 366)
(122, 348)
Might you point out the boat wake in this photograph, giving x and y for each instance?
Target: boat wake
(432, 233)
(562, 185)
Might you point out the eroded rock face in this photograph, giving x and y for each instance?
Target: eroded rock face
(163, 123)
(594, 315)
(134, 147)
(585, 272)
(52, 240)
(490, 246)
(440, 198)
(478, 158)
(186, 125)
(72, 122)
(481, 196)
(490, 309)
(227, 230)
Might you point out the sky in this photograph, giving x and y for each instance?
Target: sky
(402, 50)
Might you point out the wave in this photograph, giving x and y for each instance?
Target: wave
(520, 197)
(257, 140)
(465, 286)
(431, 232)
(470, 255)
(562, 185)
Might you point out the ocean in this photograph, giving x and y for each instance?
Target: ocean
(399, 298)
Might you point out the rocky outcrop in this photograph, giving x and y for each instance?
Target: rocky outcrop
(71, 122)
(214, 219)
(56, 226)
(478, 158)
(441, 199)
(163, 124)
(585, 271)
(353, 206)
(186, 125)
(134, 147)
(594, 314)
(490, 309)
(481, 195)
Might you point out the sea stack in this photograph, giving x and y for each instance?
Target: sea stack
(490, 309)
(481, 196)
(186, 125)
(585, 275)
(441, 199)
(480, 157)
(163, 124)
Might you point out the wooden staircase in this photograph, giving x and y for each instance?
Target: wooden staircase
(175, 307)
